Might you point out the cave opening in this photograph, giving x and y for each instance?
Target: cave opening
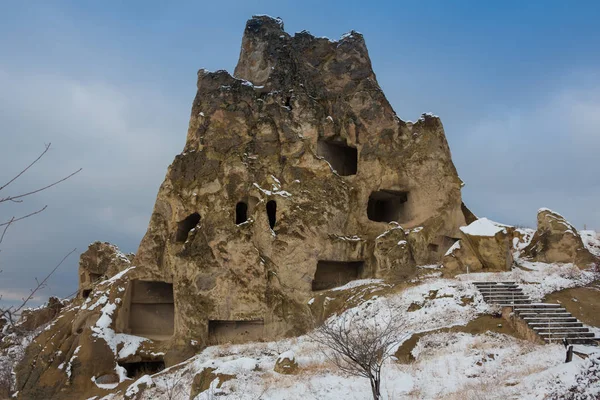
(152, 309)
(332, 274)
(241, 212)
(185, 226)
(235, 331)
(388, 206)
(139, 369)
(342, 158)
(272, 212)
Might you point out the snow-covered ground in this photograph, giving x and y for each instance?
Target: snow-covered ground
(448, 365)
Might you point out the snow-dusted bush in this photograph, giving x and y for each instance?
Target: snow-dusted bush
(586, 385)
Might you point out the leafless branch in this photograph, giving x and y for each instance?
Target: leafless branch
(360, 344)
(26, 168)
(10, 312)
(18, 197)
(14, 219)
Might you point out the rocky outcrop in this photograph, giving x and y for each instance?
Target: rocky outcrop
(100, 261)
(31, 319)
(557, 241)
(297, 175)
(485, 245)
(286, 364)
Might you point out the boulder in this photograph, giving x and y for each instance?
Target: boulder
(485, 245)
(286, 364)
(557, 241)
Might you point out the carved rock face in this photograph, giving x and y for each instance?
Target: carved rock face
(291, 172)
(296, 175)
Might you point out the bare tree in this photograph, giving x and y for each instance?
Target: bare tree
(360, 344)
(11, 313)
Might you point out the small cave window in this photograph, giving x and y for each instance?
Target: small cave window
(185, 226)
(241, 212)
(388, 206)
(342, 158)
(139, 369)
(86, 293)
(433, 247)
(272, 212)
(95, 277)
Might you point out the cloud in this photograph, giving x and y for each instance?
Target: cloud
(540, 155)
(123, 137)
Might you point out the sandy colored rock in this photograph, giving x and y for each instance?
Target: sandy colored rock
(286, 364)
(31, 319)
(557, 241)
(485, 245)
(100, 261)
(203, 380)
(296, 175)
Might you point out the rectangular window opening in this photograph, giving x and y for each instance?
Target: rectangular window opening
(332, 274)
(235, 331)
(342, 158)
(152, 311)
(388, 206)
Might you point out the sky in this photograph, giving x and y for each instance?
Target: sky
(110, 84)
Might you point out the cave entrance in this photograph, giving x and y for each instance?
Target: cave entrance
(185, 226)
(221, 331)
(272, 212)
(332, 274)
(241, 212)
(86, 293)
(152, 311)
(388, 206)
(342, 158)
(95, 277)
(139, 369)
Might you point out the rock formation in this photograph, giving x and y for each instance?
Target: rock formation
(484, 246)
(556, 240)
(98, 262)
(297, 176)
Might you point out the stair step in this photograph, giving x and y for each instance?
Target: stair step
(542, 310)
(567, 335)
(569, 319)
(546, 316)
(544, 305)
(494, 283)
(550, 329)
(496, 286)
(584, 340)
(509, 302)
(551, 324)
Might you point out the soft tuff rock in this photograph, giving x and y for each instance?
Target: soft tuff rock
(297, 176)
(485, 245)
(99, 261)
(556, 240)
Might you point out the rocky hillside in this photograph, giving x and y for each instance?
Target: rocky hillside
(301, 198)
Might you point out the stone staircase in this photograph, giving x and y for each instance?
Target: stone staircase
(551, 322)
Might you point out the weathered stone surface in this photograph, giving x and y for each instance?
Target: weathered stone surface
(31, 319)
(297, 163)
(485, 245)
(100, 261)
(556, 240)
(286, 364)
(203, 380)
